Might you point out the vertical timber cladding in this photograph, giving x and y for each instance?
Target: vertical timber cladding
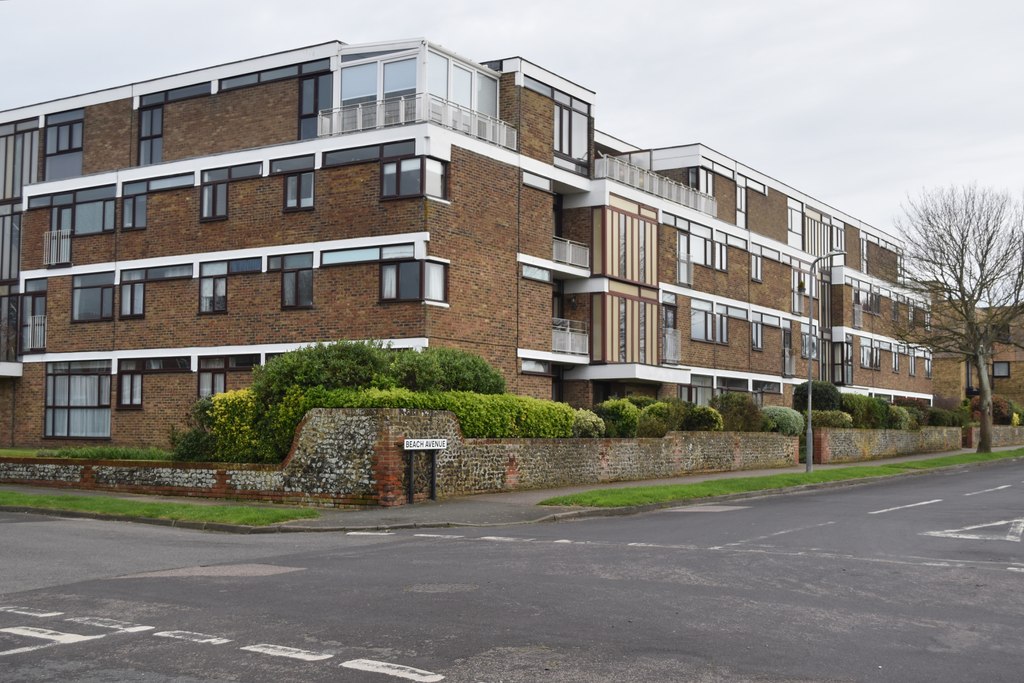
(625, 321)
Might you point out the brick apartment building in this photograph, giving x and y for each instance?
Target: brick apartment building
(158, 240)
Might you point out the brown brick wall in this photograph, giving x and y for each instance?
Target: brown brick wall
(260, 115)
(725, 193)
(108, 137)
(767, 216)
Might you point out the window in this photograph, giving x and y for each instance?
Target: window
(702, 321)
(798, 291)
(133, 286)
(756, 268)
(359, 155)
(92, 297)
(536, 367)
(213, 287)
(130, 373)
(895, 309)
(1001, 368)
(85, 212)
(706, 181)
(315, 94)
(78, 399)
(842, 361)
(928, 367)
(757, 336)
(732, 384)
(870, 355)
(151, 135)
(722, 328)
(413, 281)
(64, 144)
(795, 237)
(413, 177)
(298, 191)
(276, 73)
(365, 254)
(212, 376)
(741, 207)
(33, 316)
(214, 195)
(700, 391)
(895, 359)
(133, 212)
(572, 134)
(535, 273)
(911, 364)
(721, 256)
(296, 279)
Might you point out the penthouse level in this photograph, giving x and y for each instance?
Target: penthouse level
(162, 238)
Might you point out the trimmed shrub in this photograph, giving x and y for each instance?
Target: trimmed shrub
(587, 425)
(702, 419)
(458, 371)
(235, 427)
(917, 407)
(641, 402)
(829, 418)
(1001, 411)
(739, 412)
(900, 418)
(783, 420)
(867, 412)
(653, 421)
(352, 365)
(109, 453)
(620, 417)
(826, 396)
(937, 417)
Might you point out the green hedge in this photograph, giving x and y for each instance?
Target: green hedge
(867, 412)
(620, 417)
(587, 424)
(783, 420)
(829, 418)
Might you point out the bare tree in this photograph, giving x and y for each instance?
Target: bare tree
(965, 255)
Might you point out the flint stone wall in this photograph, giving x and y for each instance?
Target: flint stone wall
(833, 445)
(355, 457)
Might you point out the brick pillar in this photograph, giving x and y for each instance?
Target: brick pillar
(389, 469)
(822, 451)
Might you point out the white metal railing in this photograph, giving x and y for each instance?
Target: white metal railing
(858, 316)
(419, 108)
(35, 332)
(654, 183)
(788, 363)
(670, 347)
(569, 336)
(56, 247)
(572, 253)
(684, 271)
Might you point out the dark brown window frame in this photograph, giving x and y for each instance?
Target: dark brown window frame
(146, 142)
(215, 187)
(297, 178)
(422, 280)
(421, 190)
(109, 289)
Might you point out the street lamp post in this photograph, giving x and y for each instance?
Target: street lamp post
(811, 348)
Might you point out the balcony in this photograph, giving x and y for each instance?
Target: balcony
(570, 253)
(34, 334)
(419, 108)
(653, 183)
(670, 347)
(569, 336)
(684, 271)
(858, 316)
(57, 247)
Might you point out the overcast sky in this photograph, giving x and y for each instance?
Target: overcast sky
(855, 103)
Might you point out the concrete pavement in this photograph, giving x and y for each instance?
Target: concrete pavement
(486, 509)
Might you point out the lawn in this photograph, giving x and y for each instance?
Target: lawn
(246, 515)
(648, 495)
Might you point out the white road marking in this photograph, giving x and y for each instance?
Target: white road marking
(397, 670)
(369, 533)
(122, 626)
(290, 652)
(438, 536)
(1015, 569)
(903, 507)
(506, 539)
(1014, 532)
(21, 650)
(29, 612)
(998, 488)
(193, 637)
(46, 634)
(562, 540)
(772, 535)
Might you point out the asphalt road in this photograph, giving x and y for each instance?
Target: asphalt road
(915, 579)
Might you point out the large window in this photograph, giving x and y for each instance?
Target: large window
(133, 286)
(315, 93)
(213, 281)
(298, 191)
(33, 316)
(571, 127)
(64, 133)
(413, 281)
(85, 212)
(78, 399)
(214, 188)
(411, 177)
(296, 279)
(130, 376)
(702, 320)
(151, 135)
(92, 297)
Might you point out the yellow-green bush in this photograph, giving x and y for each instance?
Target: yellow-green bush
(235, 425)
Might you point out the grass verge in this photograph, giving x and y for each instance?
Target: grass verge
(221, 514)
(648, 495)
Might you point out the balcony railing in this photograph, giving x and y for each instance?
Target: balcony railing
(670, 347)
(572, 253)
(569, 336)
(788, 363)
(56, 247)
(654, 183)
(684, 271)
(35, 333)
(419, 108)
(858, 316)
